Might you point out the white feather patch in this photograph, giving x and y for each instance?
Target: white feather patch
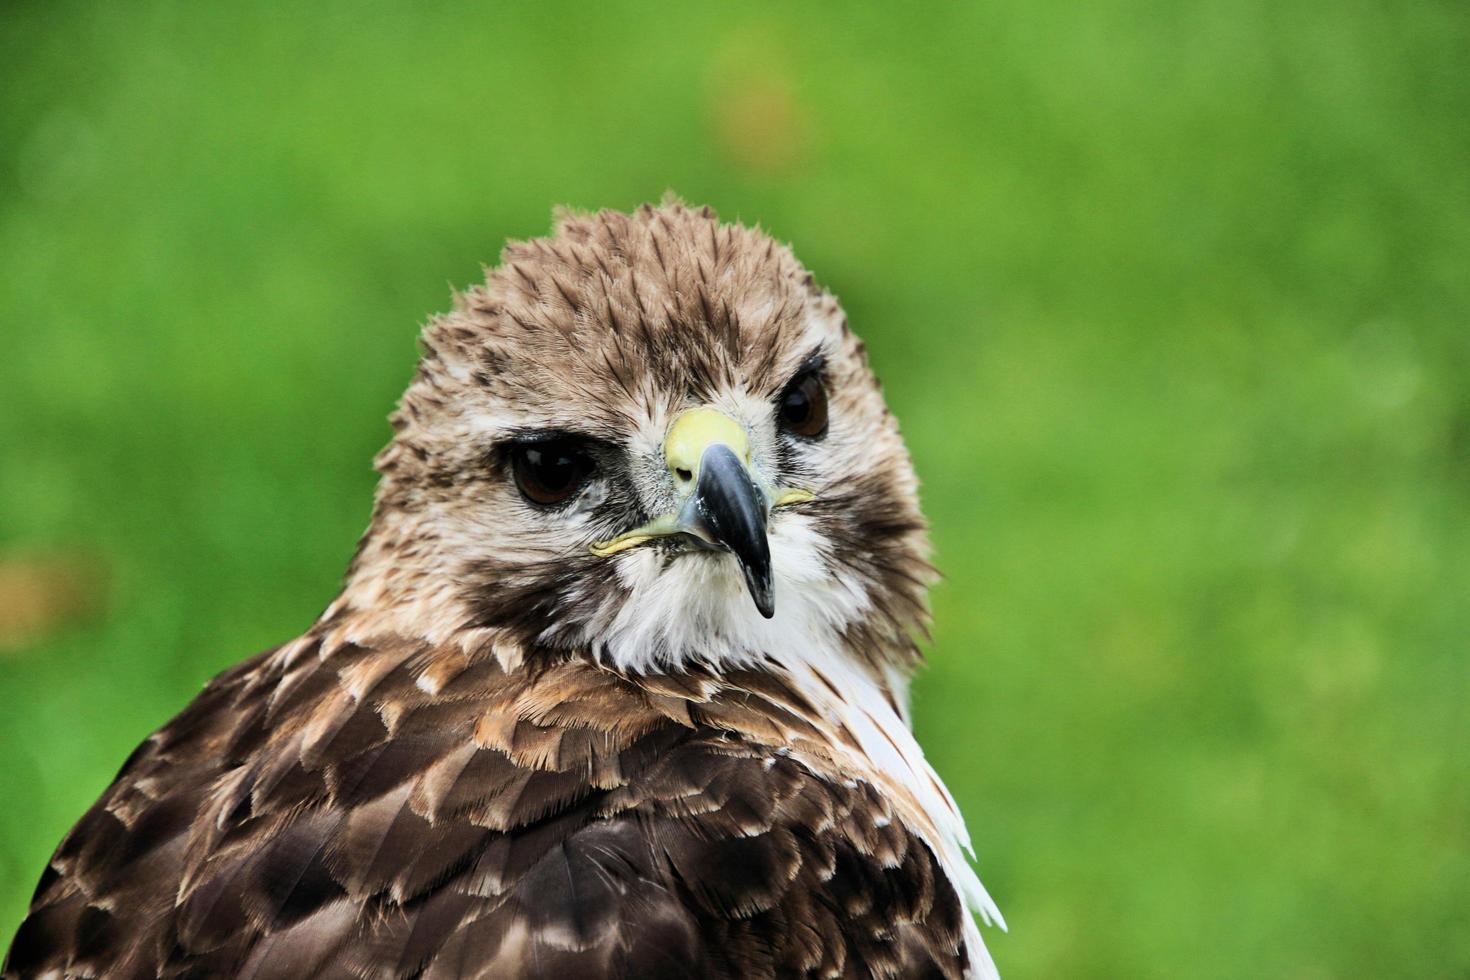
(697, 611)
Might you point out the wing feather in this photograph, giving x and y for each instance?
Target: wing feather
(368, 812)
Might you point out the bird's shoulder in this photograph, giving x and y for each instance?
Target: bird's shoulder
(401, 810)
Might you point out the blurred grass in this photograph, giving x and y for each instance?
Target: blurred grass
(1171, 299)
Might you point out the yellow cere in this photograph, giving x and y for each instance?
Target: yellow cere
(696, 430)
(693, 432)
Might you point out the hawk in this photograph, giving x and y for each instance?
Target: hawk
(616, 685)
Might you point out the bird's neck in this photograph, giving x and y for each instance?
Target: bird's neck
(829, 708)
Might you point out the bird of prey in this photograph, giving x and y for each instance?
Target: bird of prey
(616, 685)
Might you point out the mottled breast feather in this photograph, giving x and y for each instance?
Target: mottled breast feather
(405, 811)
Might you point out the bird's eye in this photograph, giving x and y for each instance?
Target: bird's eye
(550, 472)
(802, 409)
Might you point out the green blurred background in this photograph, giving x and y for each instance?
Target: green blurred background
(1173, 300)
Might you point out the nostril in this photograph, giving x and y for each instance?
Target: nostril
(683, 474)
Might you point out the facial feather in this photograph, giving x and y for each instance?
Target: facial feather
(607, 330)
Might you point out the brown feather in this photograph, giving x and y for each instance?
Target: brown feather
(458, 772)
(714, 851)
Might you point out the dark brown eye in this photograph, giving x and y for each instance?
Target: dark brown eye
(550, 472)
(802, 409)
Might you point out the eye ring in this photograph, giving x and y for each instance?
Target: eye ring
(550, 472)
(802, 407)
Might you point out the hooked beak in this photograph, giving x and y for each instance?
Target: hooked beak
(729, 511)
(722, 504)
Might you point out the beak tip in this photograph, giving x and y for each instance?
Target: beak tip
(762, 591)
(733, 514)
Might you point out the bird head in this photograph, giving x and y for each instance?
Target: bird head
(654, 438)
